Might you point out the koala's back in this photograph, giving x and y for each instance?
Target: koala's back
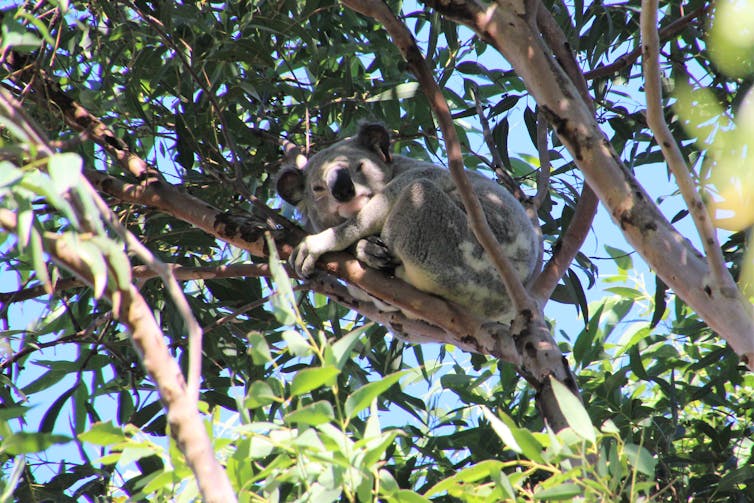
(428, 230)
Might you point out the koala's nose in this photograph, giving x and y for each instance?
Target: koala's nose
(341, 185)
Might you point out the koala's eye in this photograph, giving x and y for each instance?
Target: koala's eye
(360, 167)
(318, 189)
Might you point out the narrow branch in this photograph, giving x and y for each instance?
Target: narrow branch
(568, 246)
(670, 150)
(543, 177)
(586, 209)
(670, 31)
(75, 115)
(37, 346)
(509, 182)
(186, 424)
(79, 118)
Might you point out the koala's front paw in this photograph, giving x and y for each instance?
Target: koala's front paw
(373, 251)
(304, 258)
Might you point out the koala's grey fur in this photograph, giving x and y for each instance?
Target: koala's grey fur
(356, 189)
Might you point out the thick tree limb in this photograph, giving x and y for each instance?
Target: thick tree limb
(463, 328)
(646, 229)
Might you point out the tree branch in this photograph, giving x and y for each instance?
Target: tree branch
(666, 33)
(671, 152)
(186, 425)
(142, 272)
(586, 208)
(13, 111)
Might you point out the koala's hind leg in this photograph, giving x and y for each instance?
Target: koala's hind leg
(428, 231)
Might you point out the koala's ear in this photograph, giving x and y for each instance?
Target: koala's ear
(291, 184)
(375, 137)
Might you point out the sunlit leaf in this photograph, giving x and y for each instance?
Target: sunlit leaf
(362, 397)
(309, 379)
(103, 434)
(573, 411)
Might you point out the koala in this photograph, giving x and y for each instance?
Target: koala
(407, 214)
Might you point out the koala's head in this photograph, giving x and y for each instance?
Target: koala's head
(338, 181)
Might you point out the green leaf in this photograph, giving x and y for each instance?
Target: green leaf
(283, 301)
(16, 36)
(7, 413)
(117, 261)
(399, 92)
(307, 380)
(406, 496)
(467, 476)
(297, 344)
(38, 258)
(258, 348)
(41, 184)
(574, 411)
(361, 398)
(91, 255)
(103, 434)
(557, 493)
(260, 394)
(24, 442)
(24, 221)
(520, 440)
(640, 458)
(64, 170)
(339, 352)
(622, 259)
(47, 424)
(9, 174)
(313, 414)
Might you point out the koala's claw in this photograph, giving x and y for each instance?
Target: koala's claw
(303, 260)
(373, 252)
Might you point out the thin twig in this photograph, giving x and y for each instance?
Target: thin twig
(666, 33)
(509, 182)
(543, 176)
(673, 156)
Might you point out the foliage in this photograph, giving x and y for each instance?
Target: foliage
(305, 400)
